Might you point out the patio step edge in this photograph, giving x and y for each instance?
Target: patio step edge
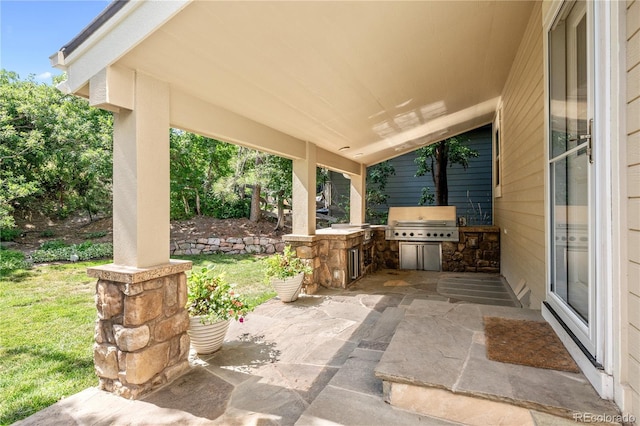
(479, 409)
(383, 330)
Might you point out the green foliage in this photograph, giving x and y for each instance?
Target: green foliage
(213, 298)
(55, 151)
(197, 164)
(426, 197)
(95, 235)
(284, 265)
(376, 195)
(47, 233)
(84, 251)
(12, 260)
(53, 245)
(434, 159)
(47, 316)
(9, 234)
(227, 207)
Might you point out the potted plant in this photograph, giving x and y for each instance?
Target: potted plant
(212, 303)
(285, 272)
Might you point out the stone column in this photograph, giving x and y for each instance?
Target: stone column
(141, 340)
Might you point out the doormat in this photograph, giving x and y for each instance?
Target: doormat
(531, 343)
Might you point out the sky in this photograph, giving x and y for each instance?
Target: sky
(31, 31)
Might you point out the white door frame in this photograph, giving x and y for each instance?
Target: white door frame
(605, 64)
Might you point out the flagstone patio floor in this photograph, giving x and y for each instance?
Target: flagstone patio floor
(314, 361)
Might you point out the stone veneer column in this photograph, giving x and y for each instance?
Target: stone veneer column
(306, 247)
(141, 339)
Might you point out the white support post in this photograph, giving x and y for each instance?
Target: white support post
(357, 196)
(141, 177)
(304, 193)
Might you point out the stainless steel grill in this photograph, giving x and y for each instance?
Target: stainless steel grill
(437, 223)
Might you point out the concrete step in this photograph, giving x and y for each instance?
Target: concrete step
(487, 290)
(436, 365)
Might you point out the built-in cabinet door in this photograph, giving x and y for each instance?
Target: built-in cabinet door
(409, 256)
(572, 289)
(420, 256)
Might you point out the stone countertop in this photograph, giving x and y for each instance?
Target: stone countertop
(339, 231)
(333, 233)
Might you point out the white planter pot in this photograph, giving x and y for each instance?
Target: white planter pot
(288, 288)
(207, 338)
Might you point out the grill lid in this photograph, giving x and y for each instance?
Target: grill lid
(400, 216)
(421, 223)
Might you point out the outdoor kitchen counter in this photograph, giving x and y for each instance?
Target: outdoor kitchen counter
(331, 233)
(339, 256)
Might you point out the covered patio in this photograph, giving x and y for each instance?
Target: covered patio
(389, 350)
(347, 85)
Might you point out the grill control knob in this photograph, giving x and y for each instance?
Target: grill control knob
(404, 234)
(449, 234)
(411, 234)
(442, 235)
(397, 234)
(428, 234)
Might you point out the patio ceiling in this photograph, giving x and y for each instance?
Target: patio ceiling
(381, 78)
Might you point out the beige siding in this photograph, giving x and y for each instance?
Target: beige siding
(520, 210)
(633, 202)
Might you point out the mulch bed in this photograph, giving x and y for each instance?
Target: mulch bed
(523, 342)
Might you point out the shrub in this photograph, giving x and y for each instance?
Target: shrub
(94, 235)
(231, 208)
(9, 234)
(47, 233)
(213, 298)
(84, 251)
(11, 260)
(53, 244)
(285, 265)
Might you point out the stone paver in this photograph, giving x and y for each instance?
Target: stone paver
(312, 362)
(440, 346)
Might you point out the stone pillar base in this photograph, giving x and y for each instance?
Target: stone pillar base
(306, 248)
(141, 340)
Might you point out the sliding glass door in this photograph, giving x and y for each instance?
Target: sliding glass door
(572, 289)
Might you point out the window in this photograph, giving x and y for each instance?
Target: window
(497, 150)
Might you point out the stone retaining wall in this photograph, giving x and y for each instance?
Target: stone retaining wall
(240, 245)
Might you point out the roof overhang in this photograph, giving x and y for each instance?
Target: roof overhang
(364, 81)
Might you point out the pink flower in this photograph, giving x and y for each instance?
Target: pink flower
(241, 319)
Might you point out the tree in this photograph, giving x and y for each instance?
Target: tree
(376, 195)
(197, 163)
(435, 159)
(278, 174)
(55, 151)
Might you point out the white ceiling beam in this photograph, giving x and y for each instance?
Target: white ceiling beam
(112, 88)
(194, 115)
(337, 162)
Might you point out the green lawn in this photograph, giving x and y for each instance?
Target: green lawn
(47, 318)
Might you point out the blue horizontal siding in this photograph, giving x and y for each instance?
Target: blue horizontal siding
(469, 190)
